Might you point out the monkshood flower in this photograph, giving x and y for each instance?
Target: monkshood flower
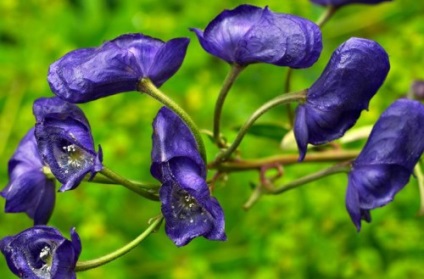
(29, 190)
(338, 3)
(187, 205)
(335, 101)
(250, 34)
(386, 163)
(65, 142)
(42, 252)
(116, 66)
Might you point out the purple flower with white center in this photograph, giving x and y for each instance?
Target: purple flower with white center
(42, 252)
(250, 34)
(65, 142)
(187, 205)
(335, 101)
(338, 3)
(29, 190)
(385, 164)
(116, 66)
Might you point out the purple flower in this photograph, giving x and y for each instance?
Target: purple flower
(250, 34)
(65, 142)
(417, 89)
(29, 190)
(41, 252)
(385, 164)
(335, 101)
(338, 3)
(116, 66)
(187, 206)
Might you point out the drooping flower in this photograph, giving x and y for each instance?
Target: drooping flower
(41, 252)
(29, 190)
(187, 205)
(116, 66)
(250, 34)
(385, 164)
(338, 3)
(65, 142)
(335, 101)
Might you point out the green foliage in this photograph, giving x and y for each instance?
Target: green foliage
(305, 233)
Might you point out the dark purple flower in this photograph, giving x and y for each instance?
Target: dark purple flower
(41, 252)
(29, 190)
(417, 89)
(250, 34)
(187, 205)
(116, 66)
(335, 101)
(338, 3)
(385, 164)
(65, 142)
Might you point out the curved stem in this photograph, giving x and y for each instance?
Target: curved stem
(284, 99)
(228, 83)
(147, 193)
(86, 265)
(286, 159)
(145, 85)
(344, 167)
(287, 84)
(101, 179)
(326, 15)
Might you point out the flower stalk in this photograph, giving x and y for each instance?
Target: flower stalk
(283, 99)
(228, 83)
(86, 265)
(147, 193)
(146, 86)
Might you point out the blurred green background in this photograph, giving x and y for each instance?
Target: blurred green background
(305, 233)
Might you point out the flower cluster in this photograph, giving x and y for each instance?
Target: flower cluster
(61, 144)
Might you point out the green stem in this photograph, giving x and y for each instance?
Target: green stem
(86, 265)
(286, 159)
(283, 99)
(147, 193)
(145, 85)
(228, 83)
(290, 114)
(326, 15)
(344, 167)
(420, 178)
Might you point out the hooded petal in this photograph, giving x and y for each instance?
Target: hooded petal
(116, 66)
(385, 164)
(346, 2)
(172, 138)
(250, 34)
(29, 190)
(335, 101)
(65, 141)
